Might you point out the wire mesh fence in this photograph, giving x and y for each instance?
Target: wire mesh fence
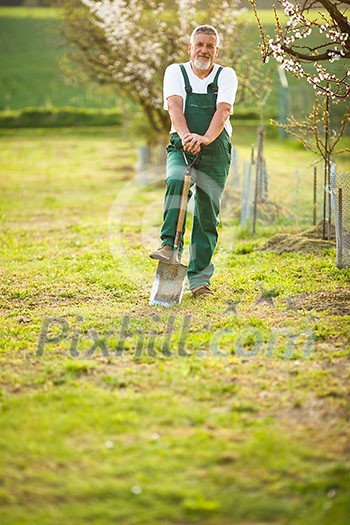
(340, 190)
(293, 198)
(246, 195)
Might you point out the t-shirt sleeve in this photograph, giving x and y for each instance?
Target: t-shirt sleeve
(227, 85)
(172, 84)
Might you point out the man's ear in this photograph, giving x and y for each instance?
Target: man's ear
(216, 52)
(189, 48)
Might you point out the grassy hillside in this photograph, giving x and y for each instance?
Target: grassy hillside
(31, 51)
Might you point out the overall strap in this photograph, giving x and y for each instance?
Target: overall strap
(188, 87)
(213, 86)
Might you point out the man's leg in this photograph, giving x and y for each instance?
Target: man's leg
(175, 169)
(211, 178)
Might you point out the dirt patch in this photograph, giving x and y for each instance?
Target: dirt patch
(284, 243)
(316, 232)
(335, 302)
(309, 241)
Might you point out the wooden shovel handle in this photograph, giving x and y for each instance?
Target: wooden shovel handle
(183, 206)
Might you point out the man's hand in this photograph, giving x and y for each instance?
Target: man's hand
(192, 142)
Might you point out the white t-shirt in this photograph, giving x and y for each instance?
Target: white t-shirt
(174, 84)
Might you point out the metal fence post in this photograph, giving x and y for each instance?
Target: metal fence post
(315, 197)
(340, 229)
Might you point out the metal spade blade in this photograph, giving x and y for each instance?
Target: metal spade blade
(169, 284)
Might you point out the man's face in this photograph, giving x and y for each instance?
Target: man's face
(203, 51)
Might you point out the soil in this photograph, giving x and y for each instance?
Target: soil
(309, 241)
(335, 302)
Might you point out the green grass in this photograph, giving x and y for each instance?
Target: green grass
(248, 428)
(29, 12)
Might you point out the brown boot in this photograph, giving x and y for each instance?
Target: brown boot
(201, 291)
(163, 254)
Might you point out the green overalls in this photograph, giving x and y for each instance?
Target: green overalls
(209, 174)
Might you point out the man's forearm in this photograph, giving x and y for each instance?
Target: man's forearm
(178, 120)
(217, 124)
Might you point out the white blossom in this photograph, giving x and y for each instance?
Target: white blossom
(294, 35)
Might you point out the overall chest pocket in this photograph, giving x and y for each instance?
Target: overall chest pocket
(198, 117)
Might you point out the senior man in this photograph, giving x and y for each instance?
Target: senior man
(199, 96)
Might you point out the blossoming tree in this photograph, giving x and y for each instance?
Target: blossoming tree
(129, 43)
(316, 33)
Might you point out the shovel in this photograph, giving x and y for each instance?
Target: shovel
(169, 282)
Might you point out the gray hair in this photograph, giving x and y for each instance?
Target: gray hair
(207, 30)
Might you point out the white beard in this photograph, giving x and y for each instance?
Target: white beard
(201, 65)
